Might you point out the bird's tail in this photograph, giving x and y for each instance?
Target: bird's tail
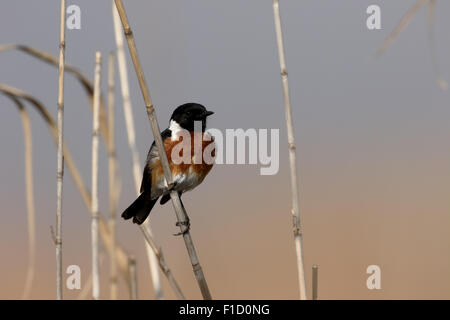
(140, 208)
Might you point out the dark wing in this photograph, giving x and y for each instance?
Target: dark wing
(153, 154)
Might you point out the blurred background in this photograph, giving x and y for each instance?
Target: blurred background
(372, 141)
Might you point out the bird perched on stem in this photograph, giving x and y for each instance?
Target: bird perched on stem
(190, 152)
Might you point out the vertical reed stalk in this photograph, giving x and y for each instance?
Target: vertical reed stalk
(292, 158)
(122, 258)
(315, 281)
(94, 196)
(86, 288)
(127, 109)
(29, 195)
(60, 157)
(30, 201)
(179, 210)
(133, 278)
(113, 191)
(129, 122)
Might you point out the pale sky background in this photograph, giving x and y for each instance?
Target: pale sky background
(372, 143)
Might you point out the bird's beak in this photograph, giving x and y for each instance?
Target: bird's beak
(208, 113)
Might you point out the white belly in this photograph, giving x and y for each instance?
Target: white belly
(183, 183)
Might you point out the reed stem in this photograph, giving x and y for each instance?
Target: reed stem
(29, 193)
(133, 278)
(292, 158)
(129, 123)
(113, 189)
(121, 255)
(179, 210)
(315, 281)
(94, 195)
(60, 155)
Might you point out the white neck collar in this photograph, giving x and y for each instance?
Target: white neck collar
(175, 128)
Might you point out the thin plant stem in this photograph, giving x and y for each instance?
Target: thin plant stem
(315, 281)
(162, 264)
(125, 90)
(179, 210)
(292, 158)
(30, 201)
(401, 26)
(441, 82)
(406, 19)
(133, 278)
(29, 196)
(87, 287)
(60, 155)
(84, 81)
(121, 255)
(94, 196)
(113, 188)
(129, 123)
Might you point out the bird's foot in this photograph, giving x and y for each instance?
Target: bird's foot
(172, 187)
(186, 224)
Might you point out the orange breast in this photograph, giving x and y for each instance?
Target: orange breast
(201, 169)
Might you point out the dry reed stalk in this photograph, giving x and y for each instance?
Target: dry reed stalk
(29, 193)
(133, 278)
(121, 255)
(292, 159)
(431, 4)
(113, 190)
(29, 198)
(127, 109)
(162, 264)
(441, 82)
(94, 190)
(84, 81)
(401, 26)
(153, 263)
(315, 281)
(87, 287)
(53, 130)
(129, 123)
(179, 210)
(60, 156)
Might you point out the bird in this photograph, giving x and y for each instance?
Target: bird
(186, 174)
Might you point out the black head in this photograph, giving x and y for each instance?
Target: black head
(186, 115)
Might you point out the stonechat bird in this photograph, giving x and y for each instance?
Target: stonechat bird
(186, 174)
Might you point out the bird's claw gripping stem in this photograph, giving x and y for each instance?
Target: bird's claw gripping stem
(171, 188)
(186, 224)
